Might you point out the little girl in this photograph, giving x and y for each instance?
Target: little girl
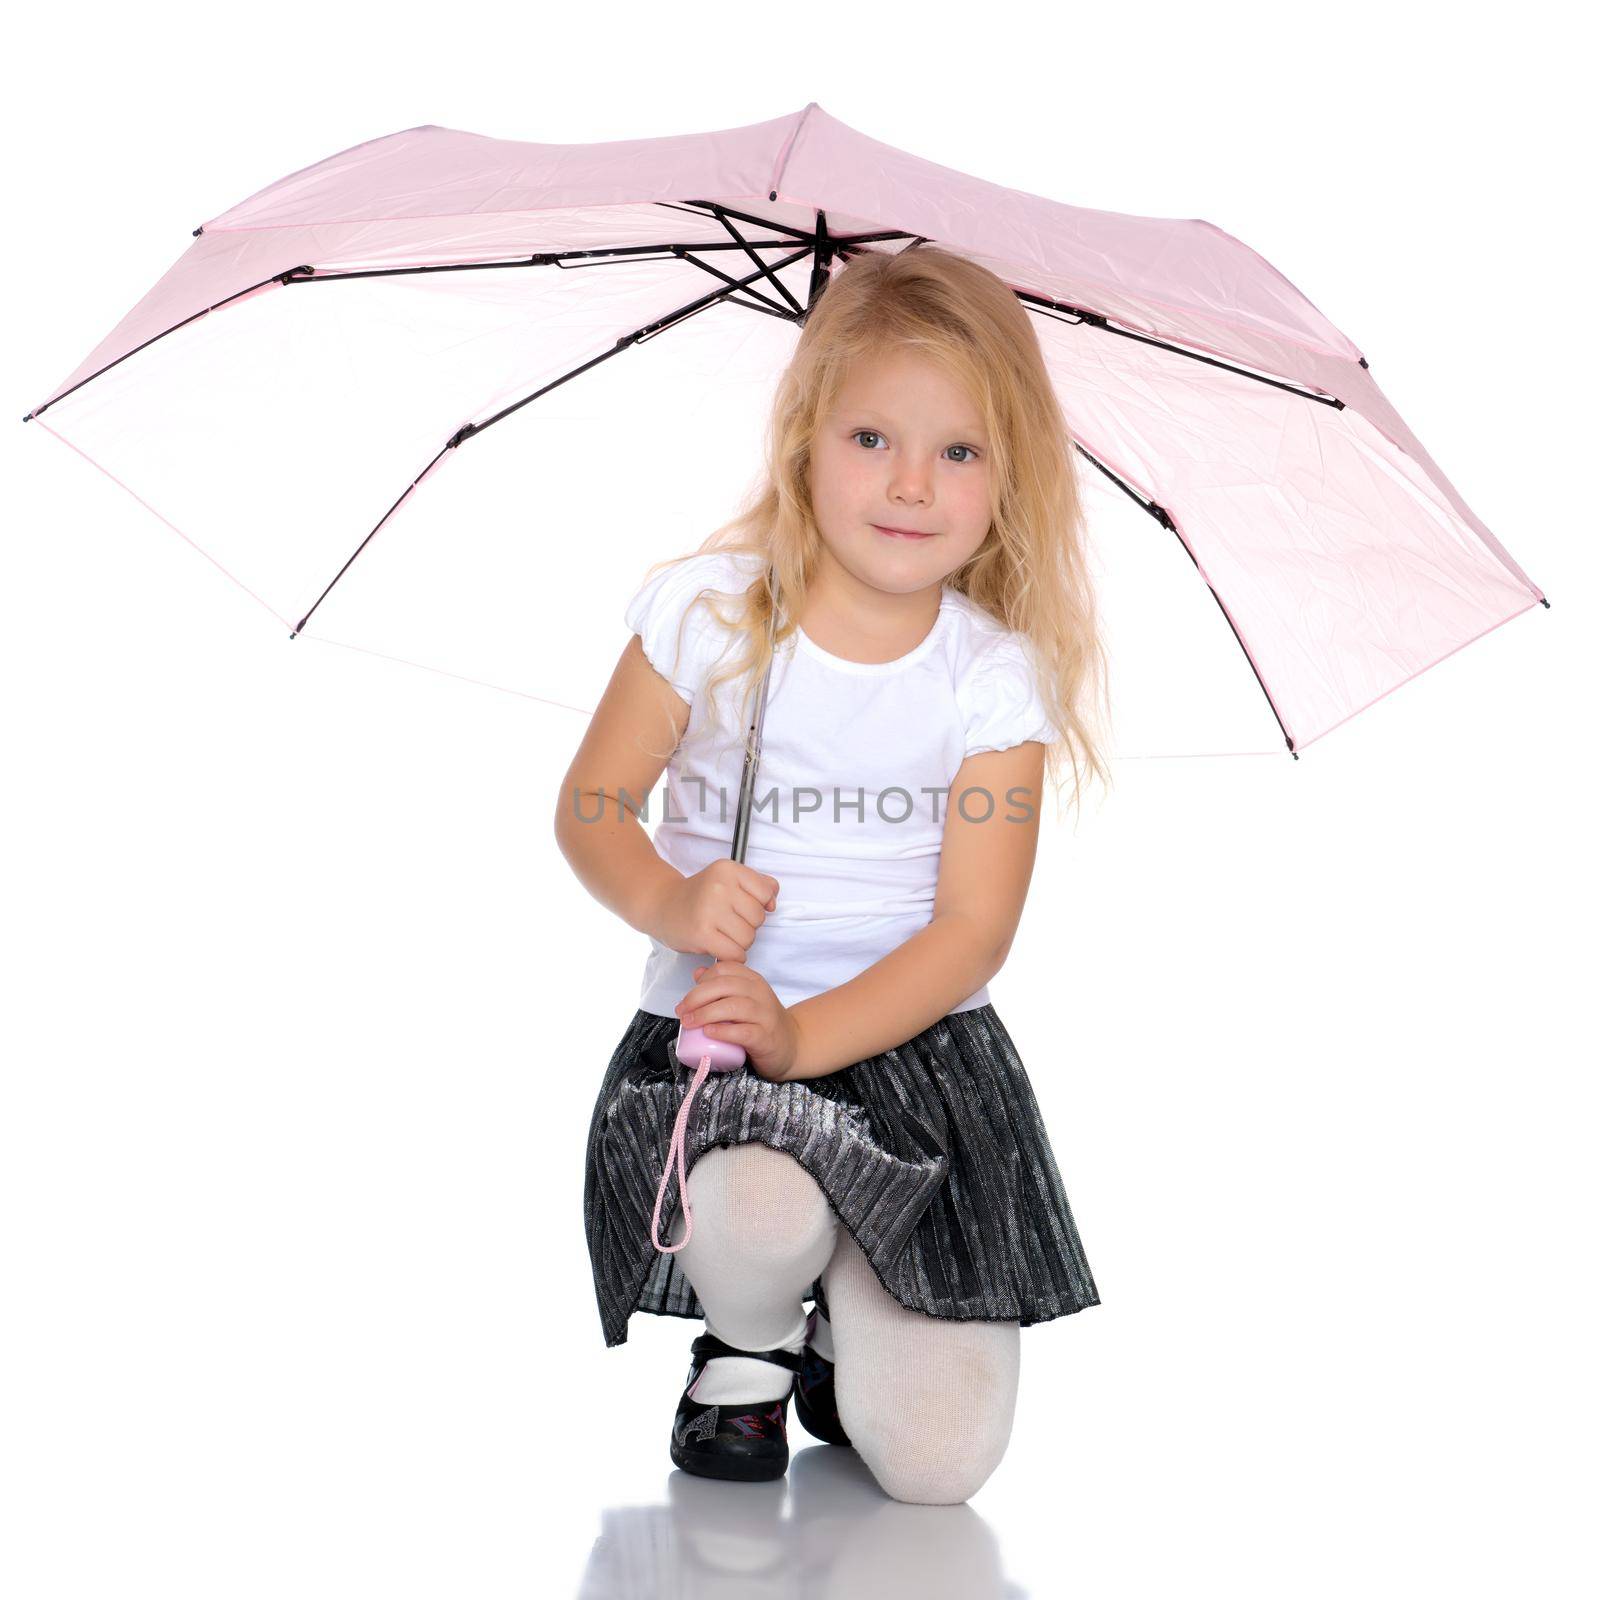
(881, 1153)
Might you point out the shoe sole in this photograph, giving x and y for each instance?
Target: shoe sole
(731, 1468)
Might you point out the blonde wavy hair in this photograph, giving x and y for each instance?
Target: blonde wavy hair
(1030, 573)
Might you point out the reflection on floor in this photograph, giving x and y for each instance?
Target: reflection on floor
(825, 1532)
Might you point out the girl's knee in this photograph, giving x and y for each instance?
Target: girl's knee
(765, 1201)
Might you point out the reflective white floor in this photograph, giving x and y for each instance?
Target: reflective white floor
(826, 1531)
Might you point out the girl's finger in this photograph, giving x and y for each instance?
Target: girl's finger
(728, 977)
(704, 995)
(744, 1033)
(726, 1009)
(761, 884)
(752, 908)
(726, 946)
(715, 982)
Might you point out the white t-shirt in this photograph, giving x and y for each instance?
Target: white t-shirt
(852, 789)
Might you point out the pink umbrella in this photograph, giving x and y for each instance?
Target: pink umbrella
(288, 394)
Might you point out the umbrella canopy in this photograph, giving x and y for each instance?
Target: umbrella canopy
(595, 329)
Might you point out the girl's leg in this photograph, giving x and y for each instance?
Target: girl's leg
(763, 1231)
(928, 1403)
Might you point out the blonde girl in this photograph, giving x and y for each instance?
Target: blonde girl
(912, 567)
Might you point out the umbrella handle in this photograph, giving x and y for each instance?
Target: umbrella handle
(694, 1047)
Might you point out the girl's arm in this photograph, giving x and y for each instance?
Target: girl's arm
(984, 870)
(630, 738)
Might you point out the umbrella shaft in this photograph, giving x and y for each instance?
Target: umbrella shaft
(752, 752)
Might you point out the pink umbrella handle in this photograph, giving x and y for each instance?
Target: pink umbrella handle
(706, 1056)
(694, 1047)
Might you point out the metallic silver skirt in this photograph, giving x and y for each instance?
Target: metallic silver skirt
(933, 1155)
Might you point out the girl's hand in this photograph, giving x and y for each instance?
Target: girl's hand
(732, 1002)
(716, 911)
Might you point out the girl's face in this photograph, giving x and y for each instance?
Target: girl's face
(903, 448)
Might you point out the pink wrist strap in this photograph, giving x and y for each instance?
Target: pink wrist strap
(675, 1150)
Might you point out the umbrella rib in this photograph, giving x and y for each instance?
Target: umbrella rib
(764, 305)
(1043, 307)
(568, 260)
(1164, 517)
(764, 308)
(639, 335)
(782, 288)
(277, 277)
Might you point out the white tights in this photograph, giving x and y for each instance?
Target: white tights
(928, 1402)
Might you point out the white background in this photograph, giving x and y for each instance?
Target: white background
(304, 1011)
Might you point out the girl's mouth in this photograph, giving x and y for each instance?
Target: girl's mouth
(901, 533)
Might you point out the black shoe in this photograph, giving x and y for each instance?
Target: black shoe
(814, 1402)
(747, 1441)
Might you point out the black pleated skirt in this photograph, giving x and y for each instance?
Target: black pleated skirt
(932, 1154)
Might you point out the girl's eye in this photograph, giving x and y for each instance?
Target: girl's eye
(868, 433)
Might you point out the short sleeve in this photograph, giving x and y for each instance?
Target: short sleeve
(1002, 703)
(680, 638)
